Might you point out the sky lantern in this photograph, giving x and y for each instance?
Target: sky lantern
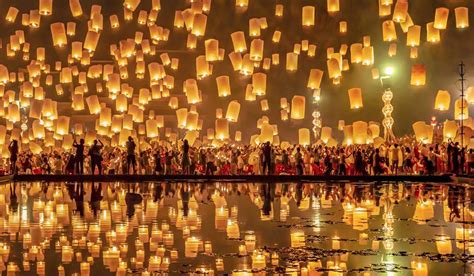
(315, 77)
(413, 36)
(62, 125)
(304, 137)
(91, 41)
(78, 102)
(355, 98)
(388, 31)
(422, 132)
(236, 60)
(192, 91)
(38, 130)
(259, 84)
(308, 16)
(192, 120)
(462, 17)
(374, 129)
(360, 132)
(223, 86)
(249, 95)
(348, 135)
(298, 106)
(334, 68)
(450, 129)
(203, 68)
(242, 3)
(276, 36)
(392, 50)
(264, 105)
(368, 56)
(279, 10)
(414, 52)
(233, 110)
(45, 7)
(356, 53)
(291, 62)
(75, 7)
(182, 115)
(212, 49)
(121, 103)
(254, 27)
(105, 117)
(58, 32)
(11, 14)
(326, 134)
(470, 94)
(443, 100)
(432, 34)
(13, 113)
(418, 75)
(384, 10)
(238, 40)
(256, 50)
(222, 129)
(333, 5)
(441, 18)
(400, 11)
(93, 104)
(343, 27)
(461, 109)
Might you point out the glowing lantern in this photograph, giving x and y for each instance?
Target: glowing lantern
(256, 50)
(419, 269)
(461, 109)
(432, 34)
(392, 50)
(304, 136)
(212, 49)
(182, 115)
(236, 60)
(348, 135)
(233, 110)
(38, 130)
(223, 86)
(298, 106)
(355, 98)
(356, 52)
(360, 132)
(422, 133)
(388, 30)
(58, 32)
(450, 129)
(367, 55)
(279, 10)
(242, 3)
(441, 18)
(222, 129)
(264, 105)
(291, 62)
(413, 36)
(75, 7)
(91, 41)
(13, 113)
(400, 11)
(77, 102)
(326, 134)
(259, 84)
(308, 16)
(418, 75)
(276, 36)
(254, 27)
(334, 68)
(203, 68)
(199, 24)
(238, 40)
(93, 104)
(249, 95)
(343, 27)
(173, 103)
(62, 125)
(315, 77)
(45, 7)
(462, 17)
(443, 100)
(375, 73)
(11, 14)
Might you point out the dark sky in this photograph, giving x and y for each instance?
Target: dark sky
(411, 103)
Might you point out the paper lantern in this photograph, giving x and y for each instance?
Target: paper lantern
(222, 129)
(264, 105)
(374, 129)
(199, 24)
(368, 56)
(326, 134)
(212, 49)
(58, 33)
(421, 130)
(462, 17)
(333, 5)
(242, 3)
(91, 41)
(93, 104)
(62, 125)
(392, 50)
(233, 110)
(13, 113)
(192, 91)
(259, 84)
(360, 132)
(343, 27)
(256, 50)
(388, 30)
(400, 11)
(315, 77)
(441, 18)
(413, 36)
(298, 106)
(418, 75)
(238, 40)
(461, 109)
(238, 136)
(182, 115)
(356, 52)
(334, 68)
(223, 86)
(192, 121)
(276, 36)
(291, 62)
(279, 10)
(203, 68)
(355, 98)
(11, 14)
(432, 34)
(304, 137)
(75, 7)
(105, 117)
(443, 100)
(38, 130)
(254, 27)
(450, 129)
(45, 7)
(308, 16)
(236, 60)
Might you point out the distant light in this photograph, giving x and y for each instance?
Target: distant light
(389, 71)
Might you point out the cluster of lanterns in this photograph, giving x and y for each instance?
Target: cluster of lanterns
(69, 68)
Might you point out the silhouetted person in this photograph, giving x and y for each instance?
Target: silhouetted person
(267, 157)
(79, 156)
(131, 159)
(299, 162)
(13, 148)
(185, 158)
(96, 157)
(96, 197)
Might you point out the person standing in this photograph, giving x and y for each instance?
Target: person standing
(185, 157)
(13, 148)
(299, 161)
(131, 158)
(96, 157)
(79, 156)
(267, 152)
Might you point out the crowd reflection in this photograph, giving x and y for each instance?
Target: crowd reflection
(239, 228)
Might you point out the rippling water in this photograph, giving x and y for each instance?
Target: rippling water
(304, 229)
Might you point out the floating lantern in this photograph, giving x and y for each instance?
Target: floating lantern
(418, 75)
(233, 110)
(450, 129)
(238, 40)
(315, 77)
(256, 50)
(441, 18)
(264, 105)
(360, 132)
(75, 7)
(343, 27)
(400, 11)
(199, 25)
(254, 27)
(222, 129)
(462, 17)
(11, 14)
(392, 50)
(58, 32)
(355, 98)
(334, 68)
(291, 62)
(259, 84)
(304, 136)
(276, 36)
(333, 5)
(45, 7)
(308, 16)
(432, 34)
(388, 30)
(461, 109)
(212, 49)
(443, 100)
(413, 36)
(279, 10)
(298, 105)
(223, 86)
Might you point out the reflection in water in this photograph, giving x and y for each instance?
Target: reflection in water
(300, 229)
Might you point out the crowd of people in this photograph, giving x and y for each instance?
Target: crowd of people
(403, 157)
